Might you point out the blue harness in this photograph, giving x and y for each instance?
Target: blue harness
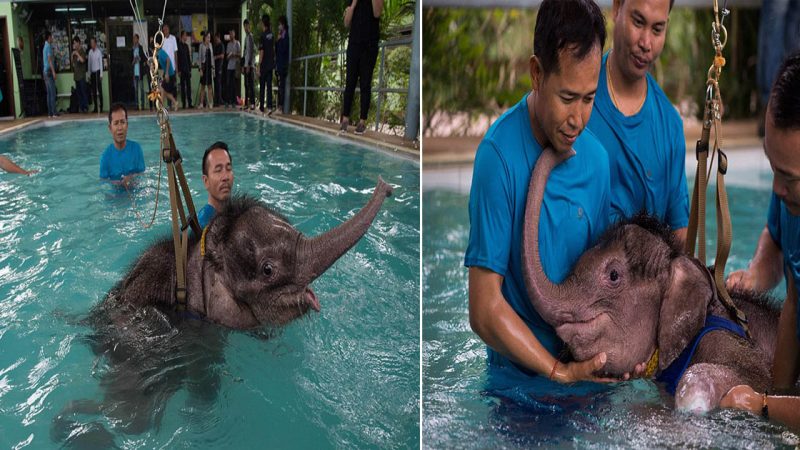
(672, 374)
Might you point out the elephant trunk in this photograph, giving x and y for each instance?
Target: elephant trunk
(545, 295)
(316, 255)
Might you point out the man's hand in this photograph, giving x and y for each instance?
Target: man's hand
(742, 397)
(582, 371)
(741, 279)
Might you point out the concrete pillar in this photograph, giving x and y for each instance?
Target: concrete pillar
(413, 101)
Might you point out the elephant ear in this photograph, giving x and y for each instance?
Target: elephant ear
(683, 309)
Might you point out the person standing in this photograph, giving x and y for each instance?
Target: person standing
(170, 46)
(267, 64)
(282, 59)
(49, 74)
(637, 124)
(185, 69)
(206, 72)
(138, 72)
(234, 52)
(362, 17)
(96, 71)
(79, 74)
(248, 66)
(219, 61)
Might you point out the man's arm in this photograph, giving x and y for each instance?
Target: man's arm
(9, 166)
(764, 272)
(785, 368)
(784, 409)
(348, 13)
(499, 326)
(377, 8)
(50, 63)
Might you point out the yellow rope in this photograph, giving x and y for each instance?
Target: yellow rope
(652, 365)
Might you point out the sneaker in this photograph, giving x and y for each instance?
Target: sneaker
(361, 128)
(343, 125)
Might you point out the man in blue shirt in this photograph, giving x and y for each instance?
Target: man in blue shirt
(123, 159)
(168, 89)
(778, 250)
(49, 74)
(218, 180)
(636, 123)
(568, 42)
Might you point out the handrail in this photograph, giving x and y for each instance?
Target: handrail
(396, 42)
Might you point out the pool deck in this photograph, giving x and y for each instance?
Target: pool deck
(459, 151)
(371, 138)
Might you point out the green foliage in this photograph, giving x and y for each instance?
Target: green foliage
(476, 60)
(318, 27)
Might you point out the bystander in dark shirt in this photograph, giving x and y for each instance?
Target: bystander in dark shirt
(364, 27)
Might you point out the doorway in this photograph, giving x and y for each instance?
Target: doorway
(120, 51)
(7, 108)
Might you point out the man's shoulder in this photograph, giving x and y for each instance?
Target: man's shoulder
(133, 145)
(663, 103)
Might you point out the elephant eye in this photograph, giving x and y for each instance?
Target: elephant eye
(268, 270)
(614, 276)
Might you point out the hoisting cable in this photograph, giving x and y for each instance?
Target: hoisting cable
(712, 117)
(182, 220)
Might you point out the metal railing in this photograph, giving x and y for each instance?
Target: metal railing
(382, 46)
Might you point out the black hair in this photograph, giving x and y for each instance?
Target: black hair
(246, 22)
(282, 20)
(574, 25)
(76, 39)
(265, 20)
(215, 146)
(671, 2)
(116, 107)
(784, 100)
(47, 35)
(136, 35)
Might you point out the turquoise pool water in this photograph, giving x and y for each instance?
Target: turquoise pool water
(347, 377)
(457, 413)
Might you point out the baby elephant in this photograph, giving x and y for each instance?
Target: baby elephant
(250, 268)
(637, 297)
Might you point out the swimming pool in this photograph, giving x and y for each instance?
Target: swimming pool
(345, 377)
(458, 414)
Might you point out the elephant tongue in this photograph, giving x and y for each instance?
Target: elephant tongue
(313, 302)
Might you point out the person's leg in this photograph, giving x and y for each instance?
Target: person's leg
(93, 89)
(50, 86)
(771, 50)
(251, 95)
(231, 87)
(100, 90)
(269, 90)
(366, 69)
(136, 87)
(282, 91)
(262, 82)
(351, 77)
(84, 96)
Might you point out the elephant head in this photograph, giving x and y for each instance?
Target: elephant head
(630, 294)
(253, 268)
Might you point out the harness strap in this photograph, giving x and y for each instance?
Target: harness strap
(673, 373)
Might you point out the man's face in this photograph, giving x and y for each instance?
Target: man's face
(247, 28)
(233, 35)
(119, 127)
(783, 148)
(165, 30)
(135, 40)
(640, 29)
(93, 43)
(563, 99)
(219, 178)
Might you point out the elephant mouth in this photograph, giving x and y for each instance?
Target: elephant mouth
(311, 300)
(580, 335)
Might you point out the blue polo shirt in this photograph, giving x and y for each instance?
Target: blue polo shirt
(575, 212)
(205, 215)
(114, 164)
(785, 231)
(162, 62)
(47, 53)
(646, 153)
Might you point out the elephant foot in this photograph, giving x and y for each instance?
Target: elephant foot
(702, 386)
